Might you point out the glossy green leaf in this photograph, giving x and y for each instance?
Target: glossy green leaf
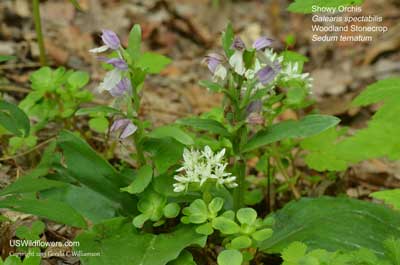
(225, 225)
(30, 184)
(185, 258)
(54, 210)
(227, 39)
(119, 243)
(142, 179)
(212, 86)
(78, 79)
(171, 210)
(246, 216)
(99, 124)
(241, 242)
(14, 119)
(306, 127)
(333, 224)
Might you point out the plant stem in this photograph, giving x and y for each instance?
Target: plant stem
(39, 33)
(240, 171)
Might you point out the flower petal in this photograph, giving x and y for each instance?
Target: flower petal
(99, 49)
(111, 79)
(262, 43)
(110, 39)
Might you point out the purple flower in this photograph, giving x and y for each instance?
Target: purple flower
(125, 126)
(213, 60)
(267, 74)
(116, 62)
(124, 86)
(254, 107)
(262, 43)
(110, 39)
(255, 119)
(238, 44)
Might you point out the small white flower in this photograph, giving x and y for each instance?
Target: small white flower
(220, 73)
(111, 79)
(201, 166)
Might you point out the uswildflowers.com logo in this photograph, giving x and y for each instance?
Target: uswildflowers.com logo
(42, 244)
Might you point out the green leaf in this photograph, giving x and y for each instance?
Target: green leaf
(135, 42)
(13, 260)
(241, 242)
(230, 257)
(225, 225)
(197, 212)
(30, 184)
(99, 124)
(212, 86)
(96, 110)
(227, 40)
(54, 210)
(262, 234)
(208, 125)
(333, 224)
(246, 216)
(294, 252)
(216, 205)
(78, 79)
(306, 127)
(185, 258)
(86, 166)
(153, 62)
(382, 90)
(392, 250)
(391, 197)
(14, 119)
(305, 6)
(141, 181)
(171, 210)
(166, 152)
(205, 229)
(119, 244)
(152, 205)
(173, 132)
(4, 58)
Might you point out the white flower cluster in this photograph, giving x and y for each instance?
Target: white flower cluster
(291, 72)
(200, 166)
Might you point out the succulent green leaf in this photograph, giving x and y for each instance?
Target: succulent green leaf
(230, 257)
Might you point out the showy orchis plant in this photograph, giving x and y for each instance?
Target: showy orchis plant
(259, 84)
(124, 82)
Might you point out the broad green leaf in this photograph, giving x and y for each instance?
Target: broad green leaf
(166, 152)
(99, 124)
(14, 119)
(135, 42)
(119, 243)
(380, 91)
(306, 127)
(4, 58)
(171, 210)
(390, 197)
(197, 212)
(230, 257)
(205, 229)
(227, 39)
(12, 260)
(173, 132)
(142, 179)
(333, 224)
(30, 184)
(216, 205)
(78, 79)
(208, 125)
(86, 166)
(153, 62)
(306, 6)
(96, 110)
(54, 210)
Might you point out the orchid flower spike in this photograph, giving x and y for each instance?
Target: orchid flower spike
(214, 64)
(238, 44)
(118, 63)
(124, 126)
(110, 40)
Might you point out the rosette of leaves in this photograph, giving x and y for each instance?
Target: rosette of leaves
(154, 207)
